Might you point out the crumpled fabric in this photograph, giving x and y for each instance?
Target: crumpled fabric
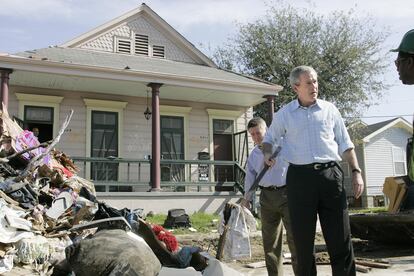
(237, 243)
(6, 263)
(26, 197)
(185, 254)
(10, 234)
(33, 250)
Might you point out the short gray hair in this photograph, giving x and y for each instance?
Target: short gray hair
(297, 71)
(256, 122)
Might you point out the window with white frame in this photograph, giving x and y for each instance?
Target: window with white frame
(398, 157)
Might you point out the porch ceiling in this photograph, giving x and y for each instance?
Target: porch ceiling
(133, 88)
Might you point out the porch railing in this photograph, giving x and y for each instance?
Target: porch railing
(134, 175)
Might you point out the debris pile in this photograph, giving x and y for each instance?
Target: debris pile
(51, 222)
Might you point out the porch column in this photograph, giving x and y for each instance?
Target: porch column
(4, 88)
(156, 138)
(270, 108)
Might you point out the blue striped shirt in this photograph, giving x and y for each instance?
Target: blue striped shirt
(311, 134)
(275, 176)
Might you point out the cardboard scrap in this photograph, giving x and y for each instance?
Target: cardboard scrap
(395, 189)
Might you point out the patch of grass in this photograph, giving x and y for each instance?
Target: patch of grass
(156, 219)
(202, 222)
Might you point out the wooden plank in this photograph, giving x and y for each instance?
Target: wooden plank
(372, 264)
(363, 269)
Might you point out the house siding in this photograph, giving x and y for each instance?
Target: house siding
(140, 25)
(379, 157)
(135, 140)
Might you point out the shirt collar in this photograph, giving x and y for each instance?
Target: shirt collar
(296, 105)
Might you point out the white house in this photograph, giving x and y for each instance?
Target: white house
(381, 152)
(114, 73)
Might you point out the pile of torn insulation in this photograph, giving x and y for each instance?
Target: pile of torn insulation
(52, 224)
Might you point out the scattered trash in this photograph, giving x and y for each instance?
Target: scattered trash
(52, 221)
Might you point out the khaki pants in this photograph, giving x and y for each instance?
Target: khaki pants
(274, 211)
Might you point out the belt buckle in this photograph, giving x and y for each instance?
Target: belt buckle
(317, 166)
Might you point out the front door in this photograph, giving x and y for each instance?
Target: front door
(172, 148)
(104, 143)
(223, 149)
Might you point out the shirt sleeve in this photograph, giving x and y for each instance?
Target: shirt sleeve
(276, 129)
(250, 173)
(341, 133)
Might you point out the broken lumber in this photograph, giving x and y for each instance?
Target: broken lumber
(374, 264)
(363, 269)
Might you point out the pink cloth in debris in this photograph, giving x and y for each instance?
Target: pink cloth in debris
(25, 140)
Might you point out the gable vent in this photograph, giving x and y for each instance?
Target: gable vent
(123, 46)
(158, 51)
(141, 44)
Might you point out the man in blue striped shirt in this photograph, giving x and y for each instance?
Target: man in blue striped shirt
(273, 200)
(314, 140)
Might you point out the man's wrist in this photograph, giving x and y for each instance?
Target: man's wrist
(356, 170)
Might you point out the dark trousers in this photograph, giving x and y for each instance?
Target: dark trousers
(320, 192)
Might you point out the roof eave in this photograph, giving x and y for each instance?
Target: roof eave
(50, 67)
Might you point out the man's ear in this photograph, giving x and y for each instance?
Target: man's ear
(410, 62)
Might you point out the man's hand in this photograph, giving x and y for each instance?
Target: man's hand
(267, 153)
(357, 184)
(244, 202)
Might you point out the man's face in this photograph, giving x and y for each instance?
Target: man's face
(307, 89)
(405, 68)
(257, 134)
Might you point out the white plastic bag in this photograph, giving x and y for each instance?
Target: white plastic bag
(237, 243)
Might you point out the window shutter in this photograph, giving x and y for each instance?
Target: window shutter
(123, 46)
(158, 51)
(141, 44)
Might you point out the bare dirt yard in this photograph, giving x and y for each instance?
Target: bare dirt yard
(400, 258)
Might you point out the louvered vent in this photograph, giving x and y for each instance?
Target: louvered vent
(124, 46)
(158, 51)
(141, 44)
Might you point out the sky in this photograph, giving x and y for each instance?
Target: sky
(33, 24)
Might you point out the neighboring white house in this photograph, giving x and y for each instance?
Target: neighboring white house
(110, 75)
(381, 152)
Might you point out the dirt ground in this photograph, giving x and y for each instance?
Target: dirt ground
(401, 257)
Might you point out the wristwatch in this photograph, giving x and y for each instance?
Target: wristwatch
(356, 170)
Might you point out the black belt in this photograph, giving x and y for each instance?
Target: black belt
(272, 188)
(316, 166)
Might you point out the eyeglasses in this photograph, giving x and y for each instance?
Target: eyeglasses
(398, 60)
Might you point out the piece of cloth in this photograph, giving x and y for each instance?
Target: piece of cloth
(166, 237)
(113, 252)
(185, 254)
(311, 134)
(33, 250)
(26, 196)
(320, 192)
(106, 211)
(6, 263)
(274, 210)
(9, 234)
(275, 176)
